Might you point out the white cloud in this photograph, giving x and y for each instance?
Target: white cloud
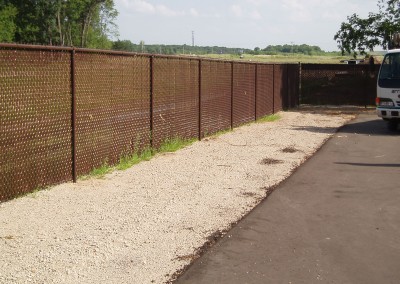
(165, 11)
(237, 11)
(139, 6)
(143, 6)
(255, 15)
(299, 11)
(260, 2)
(193, 12)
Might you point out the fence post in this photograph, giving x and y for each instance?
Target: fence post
(273, 88)
(151, 100)
(200, 99)
(232, 94)
(255, 92)
(73, 116)
(299, 85)
(288, 87)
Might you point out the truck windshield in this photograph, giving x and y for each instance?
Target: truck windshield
(389, 75)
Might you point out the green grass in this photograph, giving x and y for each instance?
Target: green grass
(169, 145)
(269, 118)
(127, 161)
(174, 144)
(100, 171)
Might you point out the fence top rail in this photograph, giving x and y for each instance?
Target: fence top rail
(127, 53)
(35, 47)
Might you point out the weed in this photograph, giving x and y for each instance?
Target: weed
(127, 161)
(100, 171)
(269, 118)
(174, 144)
(147, 154)
(33, 193)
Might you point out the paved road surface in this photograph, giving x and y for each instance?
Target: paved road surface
(335, 220)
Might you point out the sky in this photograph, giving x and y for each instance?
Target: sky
(234, 23)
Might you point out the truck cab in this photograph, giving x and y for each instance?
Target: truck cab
(388, 89)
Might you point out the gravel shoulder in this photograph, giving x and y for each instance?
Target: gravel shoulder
(147, 223)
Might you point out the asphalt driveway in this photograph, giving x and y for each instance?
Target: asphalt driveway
(335, 220)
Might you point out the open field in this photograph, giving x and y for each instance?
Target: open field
(281, 58)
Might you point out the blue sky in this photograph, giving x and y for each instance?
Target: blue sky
(234, 23)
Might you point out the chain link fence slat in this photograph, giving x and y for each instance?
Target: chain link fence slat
(176, 99)
(280, 87)
(338, 84)
(35, 120)
(265, 90)
(124, 102)
(113, 113)
(243, 93)
(216, 89)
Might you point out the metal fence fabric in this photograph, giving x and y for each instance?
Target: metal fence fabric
(243, 93)
(338, 84)
(175, 99)
(216, 93)
(35, 120)
(293, 81)
(265, 90)
(113, 108)
(66, 111)
(280, 87)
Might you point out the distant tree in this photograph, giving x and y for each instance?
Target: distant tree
(359, 35)
(124, 45)
(299, 49)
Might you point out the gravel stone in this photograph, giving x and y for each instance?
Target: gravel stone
(147, 223)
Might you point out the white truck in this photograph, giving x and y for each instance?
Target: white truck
(388, 87)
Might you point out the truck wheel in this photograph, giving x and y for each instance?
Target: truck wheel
(392, 125)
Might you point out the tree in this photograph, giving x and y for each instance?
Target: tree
(358, 35)
(7, 22)
(83, 23)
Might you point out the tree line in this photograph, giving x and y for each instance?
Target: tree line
(127, 45)
(292, 48)
(141, 47)
(81, 23)
(91, 24)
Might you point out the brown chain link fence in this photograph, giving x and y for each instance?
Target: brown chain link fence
(65, 111)
(338, 84)
(216, 96)
(265, 90)
(35, 120)
(112, 107)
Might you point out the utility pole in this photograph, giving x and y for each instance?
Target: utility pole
(192, 38)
